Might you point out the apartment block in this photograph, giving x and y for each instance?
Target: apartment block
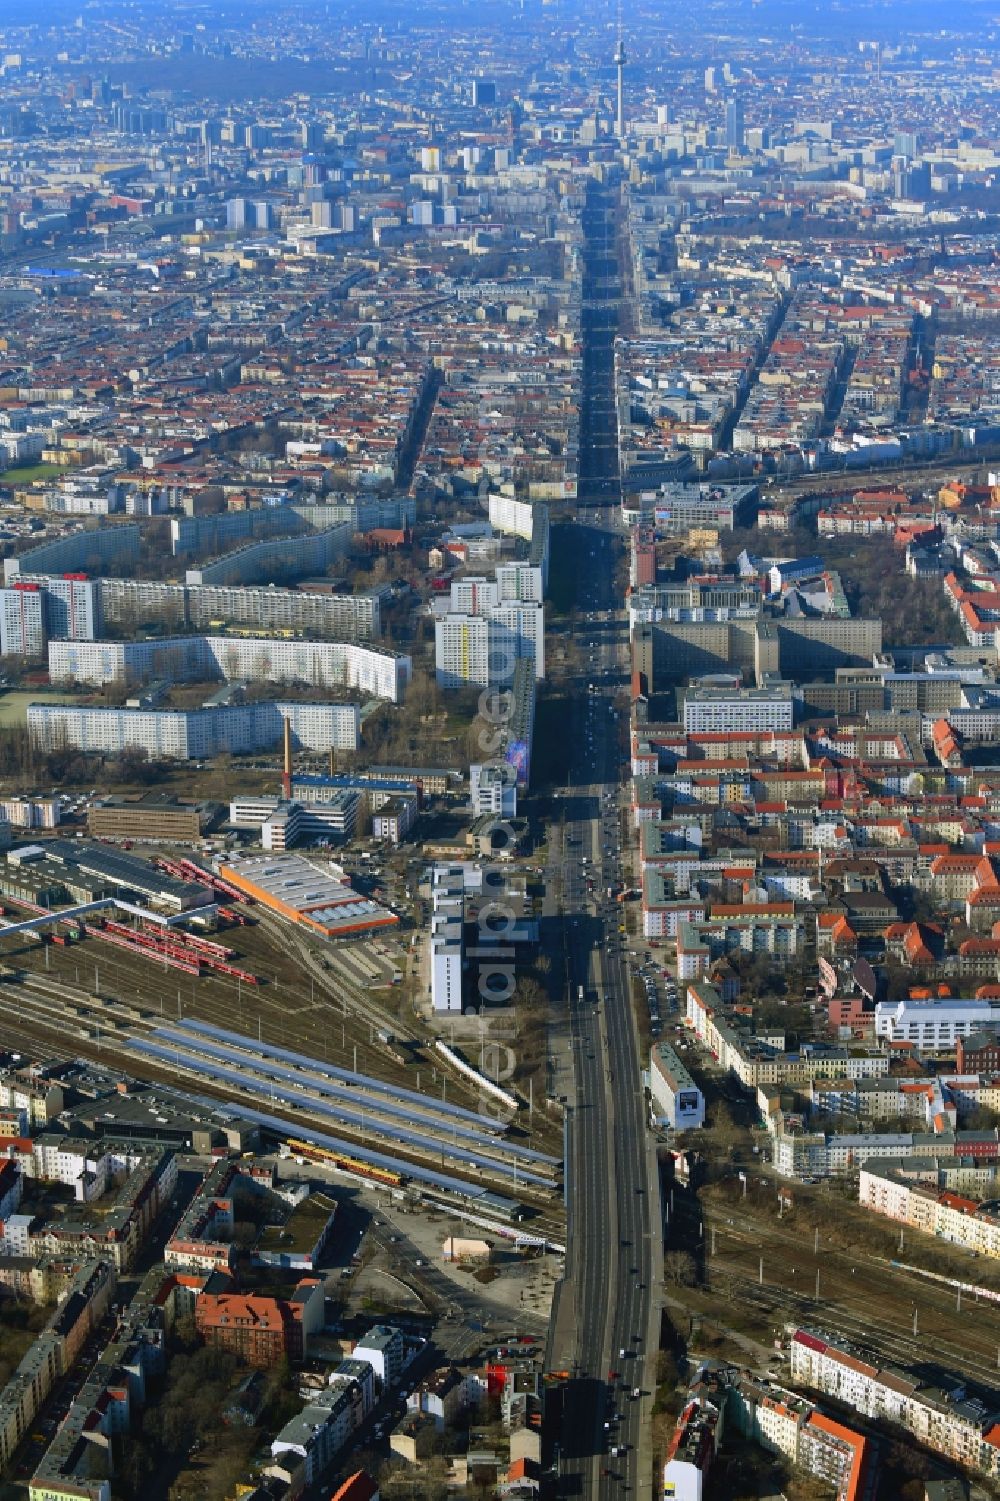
(320, 664)
(483, 650)
(118, 1233)
(941, 1418)
(130, 603)
(53, 1352)
(40, 1098)
(757, 1060)
(462, 651)
(72, 607)
(512, 516)
(382, 1348)
(89, 550)
(273, 558)
(22, 620)
(201, 1239)
(195, 734)
(928, 1194)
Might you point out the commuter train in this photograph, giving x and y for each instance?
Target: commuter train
(329, 1158)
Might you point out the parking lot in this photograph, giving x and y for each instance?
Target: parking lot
(660, 988)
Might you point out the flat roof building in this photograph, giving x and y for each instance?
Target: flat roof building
(315, 894)
(154, 819)
(680, 1103)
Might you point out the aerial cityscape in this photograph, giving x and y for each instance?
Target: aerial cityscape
(499, 751)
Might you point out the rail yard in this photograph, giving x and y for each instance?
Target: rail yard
(321, 1062)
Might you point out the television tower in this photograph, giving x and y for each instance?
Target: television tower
(620, 60)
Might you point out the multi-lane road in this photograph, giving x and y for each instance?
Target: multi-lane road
(607, 1318)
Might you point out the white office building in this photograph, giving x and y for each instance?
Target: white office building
(933, 1025)
(283, 824)
(679, 1102)
(736, 711)
(447, 947)
(394, 819)
(493, 789)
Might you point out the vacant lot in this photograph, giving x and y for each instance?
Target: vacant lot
(14, 705)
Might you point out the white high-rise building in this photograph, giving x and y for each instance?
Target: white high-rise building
(514, 517)
(22, 621)
(71, 608)
(526, 623)
(520, 581)
(474, 595)
(462, 650)
(483, 650)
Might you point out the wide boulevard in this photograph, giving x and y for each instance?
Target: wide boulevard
(606, 1322)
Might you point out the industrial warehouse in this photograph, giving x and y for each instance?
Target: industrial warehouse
(314, 894)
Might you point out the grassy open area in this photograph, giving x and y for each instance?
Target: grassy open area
(26, 474)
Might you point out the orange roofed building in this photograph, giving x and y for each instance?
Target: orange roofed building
(263, 1331)
(782, 1421)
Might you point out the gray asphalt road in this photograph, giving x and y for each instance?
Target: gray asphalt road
(601, 1433)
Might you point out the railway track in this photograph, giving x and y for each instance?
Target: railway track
(347, 996)
(886, 1341)
(323, 1010)
(53, 1015)
(873, 1302)
(328, 1105)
